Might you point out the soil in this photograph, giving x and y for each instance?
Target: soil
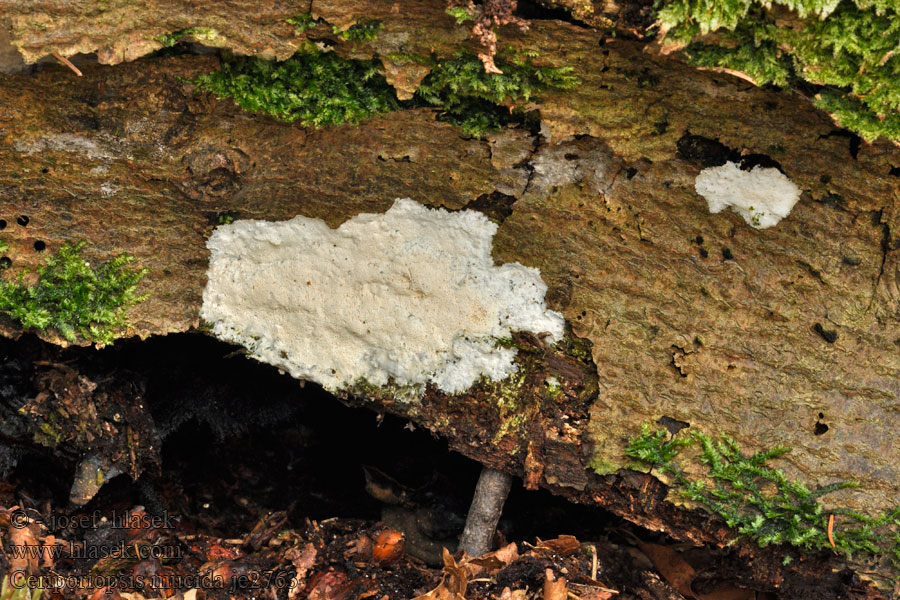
(299, 501)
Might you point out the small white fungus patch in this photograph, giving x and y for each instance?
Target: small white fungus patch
(762, 196)
(410, 295)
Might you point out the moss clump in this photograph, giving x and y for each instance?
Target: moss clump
(478, 101)
(758, 500)
(314, 88)
(302, 22)
(200, 33)
(848, 46)
(364, 30)
(72, 297)
(320, 89)
(460, 13)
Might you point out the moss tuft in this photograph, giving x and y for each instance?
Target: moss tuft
(72, 297)
(364, 30)
(315, 88)
(478, 101)
(847, 46)
(302, 22)
(759, 500)
(200, 33)
(320, 89)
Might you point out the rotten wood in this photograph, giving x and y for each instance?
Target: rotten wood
(690, 316)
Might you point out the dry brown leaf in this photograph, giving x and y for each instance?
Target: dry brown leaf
(22, 534)
(564, 545)
(595, 593)
(726, 590)
(674, 569)
(455, 582)
(492, 561)
(554, 589)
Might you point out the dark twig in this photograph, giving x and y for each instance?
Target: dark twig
(487, 506)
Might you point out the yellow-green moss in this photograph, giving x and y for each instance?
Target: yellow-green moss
(758, 500)
(72, 297)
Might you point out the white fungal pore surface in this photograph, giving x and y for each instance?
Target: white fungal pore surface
(762, 196)
(411, 295)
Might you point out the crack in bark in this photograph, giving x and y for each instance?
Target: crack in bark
(885, 248)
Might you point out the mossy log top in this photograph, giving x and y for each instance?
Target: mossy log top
(691, 316)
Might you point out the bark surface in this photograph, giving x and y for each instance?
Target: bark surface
(692, 316)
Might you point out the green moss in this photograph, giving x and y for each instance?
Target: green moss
(853, 114)
(757, 499)
(315, 88)
(478, 101)
(364, 30)
(321, 88)
(72, 297)
(302, 22)
(460, 13)
(200, 33)
(4, 246)
(847, 46)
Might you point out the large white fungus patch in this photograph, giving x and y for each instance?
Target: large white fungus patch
(411, 295)
(762, 196)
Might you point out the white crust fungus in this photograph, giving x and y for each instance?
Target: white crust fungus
(762, 196)
(410, 296)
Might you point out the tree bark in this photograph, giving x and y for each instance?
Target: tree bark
(688, 315)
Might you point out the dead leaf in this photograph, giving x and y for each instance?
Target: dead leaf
(493, 561)
(564, 545)
(554, 589)
(453, 585)
(727, 590)
(674, 569)
(590, 592)
(217, 551)
(23, 535)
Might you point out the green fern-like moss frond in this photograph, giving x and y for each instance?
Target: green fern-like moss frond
(757, 499)
(73, 297)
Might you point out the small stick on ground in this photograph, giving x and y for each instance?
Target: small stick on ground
(487, 506)
(67, 63)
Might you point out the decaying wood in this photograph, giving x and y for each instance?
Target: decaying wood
(691, 316)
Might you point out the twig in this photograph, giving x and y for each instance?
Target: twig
(594, 562)
(68, 63)
(487, 505)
